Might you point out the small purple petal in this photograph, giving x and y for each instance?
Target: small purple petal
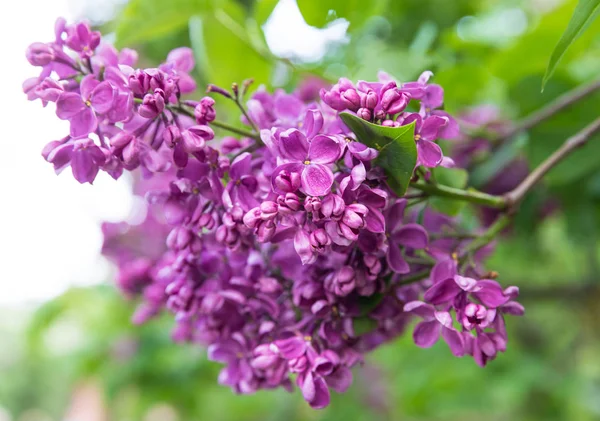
(442, 292)
(316, 180)
(323, 150)
(426, 334)
(412, 235)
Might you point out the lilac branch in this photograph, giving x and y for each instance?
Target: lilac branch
(513, 197)
(559, 104)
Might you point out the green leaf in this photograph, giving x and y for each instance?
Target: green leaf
(320, 13)
(263, 10)
(220, 35)
(585, 12)
(452, 177)
(396, 146)
(145, 20)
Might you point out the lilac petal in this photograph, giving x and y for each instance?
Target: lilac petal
(454, 340)
(373, 198)
(358, 175)
(490, 293)
(303, 247)
(186, 83)
(412, 235)
(465, 283)
(83, 123)
(375, 221)
(87, 86)
(313, 122)
(316, 180)
(431, 127)
(288, 106)
(395, 260)
(340, 380)
(362, 152)
(293, 145)
(426, 334)
(291, 348)
(60, 156)
(442, 292)
(486, 345)
(192, 140)
(315, 391)
(103, 97)
(447, 162)
(425, 76)
(182, 59)
(416, 118)
(434, 96)
(180, 156)
(263, 362)
(514, 308)
(430, 154)
(222, 352)
(154, 161)
(451, 129)
(396, 215)
(421, 309)
(240, 166)
(84, 166)
(443, 270)
(68, 105)
(323, 150)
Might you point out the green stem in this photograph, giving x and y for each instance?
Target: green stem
(471, 195)
(232, 129)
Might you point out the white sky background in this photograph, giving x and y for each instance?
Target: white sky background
(50, 225)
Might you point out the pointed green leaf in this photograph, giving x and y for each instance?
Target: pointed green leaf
(396, 146)
(585, 12)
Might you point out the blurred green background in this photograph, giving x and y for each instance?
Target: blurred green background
(78, 356)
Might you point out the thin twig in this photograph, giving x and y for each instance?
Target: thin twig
(538, 116)
(571, 144)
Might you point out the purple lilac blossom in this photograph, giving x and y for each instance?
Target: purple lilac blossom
(269, 253)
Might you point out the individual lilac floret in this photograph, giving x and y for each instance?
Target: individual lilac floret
(82, 109)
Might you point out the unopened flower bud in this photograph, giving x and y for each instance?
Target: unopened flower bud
(364, 113)
(332, 206)
(287, 182)
(214, 88)
(205, 111)
(265, 232)
(268, 210)
(171, 135)
(319, 239)
(252, 218)
(39, 54)
(312, 204)
(351, 99)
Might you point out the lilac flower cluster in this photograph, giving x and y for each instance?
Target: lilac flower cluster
(284, 252)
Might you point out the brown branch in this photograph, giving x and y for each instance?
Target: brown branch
(571, 144)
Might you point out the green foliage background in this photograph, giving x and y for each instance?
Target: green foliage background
(551, 370)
